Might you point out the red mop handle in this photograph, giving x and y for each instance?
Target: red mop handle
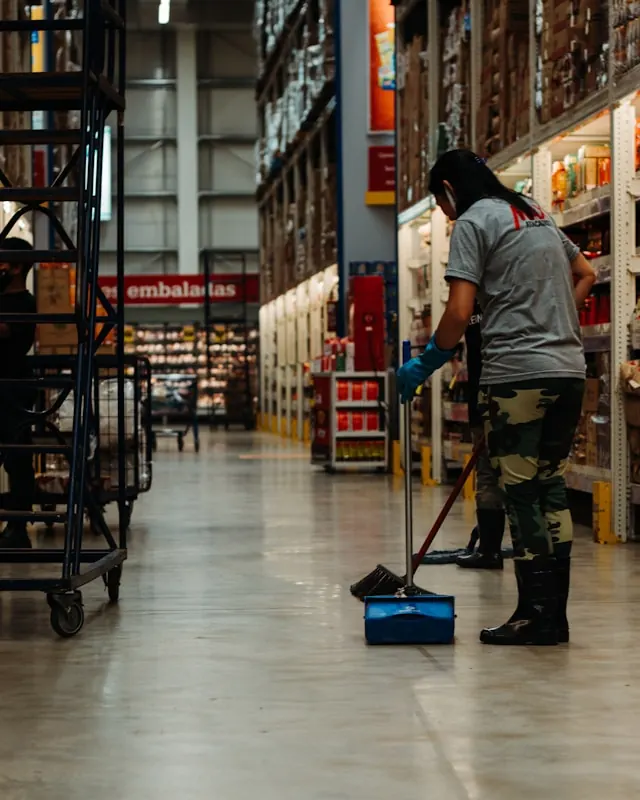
(417, 559)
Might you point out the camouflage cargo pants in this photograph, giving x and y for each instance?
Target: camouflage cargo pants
(488, 493)
(530, 428)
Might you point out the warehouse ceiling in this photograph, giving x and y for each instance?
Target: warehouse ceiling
(203, 14)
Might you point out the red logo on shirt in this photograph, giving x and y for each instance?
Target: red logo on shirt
(520, 217)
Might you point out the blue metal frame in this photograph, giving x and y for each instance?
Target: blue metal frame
(95, 91)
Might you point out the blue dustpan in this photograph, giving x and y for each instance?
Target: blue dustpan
(421, 619)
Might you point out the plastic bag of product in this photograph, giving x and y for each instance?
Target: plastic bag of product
(65, 422)
(108, 411)
(65, 414)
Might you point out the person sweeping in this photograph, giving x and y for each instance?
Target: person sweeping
(529, 279)
(490, 514)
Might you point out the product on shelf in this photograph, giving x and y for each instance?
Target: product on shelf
(226, 375)
(349, 419)
(585, 171)
(301, 77)
(572, 59)
(625, 46)
(413, 112)
(456, 78)
(503, 112)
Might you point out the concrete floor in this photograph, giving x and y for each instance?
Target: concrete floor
(235, 668)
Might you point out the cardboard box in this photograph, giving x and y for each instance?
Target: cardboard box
(55, 294)
(591, 397)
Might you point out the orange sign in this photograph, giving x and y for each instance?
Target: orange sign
(382, 67)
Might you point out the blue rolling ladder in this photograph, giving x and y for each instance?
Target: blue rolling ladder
(95, 91)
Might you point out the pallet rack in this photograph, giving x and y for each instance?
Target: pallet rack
(293, 329)
(296, 142)
(588, 98)
(96, 90)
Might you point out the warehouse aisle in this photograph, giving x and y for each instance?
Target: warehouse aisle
(235, 666)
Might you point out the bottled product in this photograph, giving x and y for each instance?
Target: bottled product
(559, 184)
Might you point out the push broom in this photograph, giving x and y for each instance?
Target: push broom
(382, 581)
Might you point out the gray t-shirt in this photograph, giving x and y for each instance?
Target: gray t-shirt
(530, 326)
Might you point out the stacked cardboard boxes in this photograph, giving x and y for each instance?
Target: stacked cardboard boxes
(626, 35)
(572, 57)
(413, 110)
(55, 294)
(302, 85)
(15, 56)
(503, 114)
(456, 78)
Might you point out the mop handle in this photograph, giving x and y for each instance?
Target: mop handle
(466, 472)
(408, 489)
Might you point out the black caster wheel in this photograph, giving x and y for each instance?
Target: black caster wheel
(330, 470)
(112, 581)
(180, 443)
(67, 614)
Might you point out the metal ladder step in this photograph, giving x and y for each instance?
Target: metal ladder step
(36, 25)
(37, 449)
(44, 194)
(39, 256)
(44, 382)
(33, 516)
(42, 319)
(24, 136)
(53, 91)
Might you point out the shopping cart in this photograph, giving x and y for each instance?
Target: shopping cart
(174, 402)
(52, 470)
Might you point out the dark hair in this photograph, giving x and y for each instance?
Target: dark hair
(472, 180)
(17, 244)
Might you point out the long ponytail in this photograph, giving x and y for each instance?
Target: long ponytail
(472, 180)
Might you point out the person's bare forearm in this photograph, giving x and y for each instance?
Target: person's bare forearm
(584, 279)
(583, 290)
(451, 329)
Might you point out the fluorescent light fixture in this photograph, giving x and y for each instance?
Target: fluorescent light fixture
(164, 12)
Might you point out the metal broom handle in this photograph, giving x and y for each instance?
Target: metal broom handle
(408, 489)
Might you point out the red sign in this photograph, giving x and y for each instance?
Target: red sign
(382, 168)
(166, 290)
(382, 67)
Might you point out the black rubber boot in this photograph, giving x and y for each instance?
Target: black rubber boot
(489, 553)
(15, 537)
(563, 581)
(537, 604)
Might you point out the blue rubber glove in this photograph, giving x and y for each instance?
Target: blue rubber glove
(416, 371)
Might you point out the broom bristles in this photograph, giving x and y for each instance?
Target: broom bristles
(383, 582)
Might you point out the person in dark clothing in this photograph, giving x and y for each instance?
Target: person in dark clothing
(490, 512)
(16, 340)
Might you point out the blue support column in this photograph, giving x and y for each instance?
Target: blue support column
(365, 233)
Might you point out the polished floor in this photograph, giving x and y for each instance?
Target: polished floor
(235, 668)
